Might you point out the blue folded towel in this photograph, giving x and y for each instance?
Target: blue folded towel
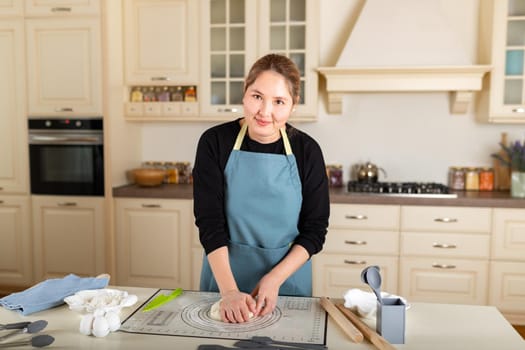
(50, 293)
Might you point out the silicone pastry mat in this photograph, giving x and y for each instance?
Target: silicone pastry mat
(295, 319)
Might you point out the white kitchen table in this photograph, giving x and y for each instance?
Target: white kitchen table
(428, 326)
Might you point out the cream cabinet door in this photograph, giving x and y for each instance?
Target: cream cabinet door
(508, 236)
(64, 67)
(153, 242)
(61, 7)
(502, 41)
(161, 40)
(507, 289)
(234, 33)
(11, 8)
(14, 168)
(68, 236)
(15, 236)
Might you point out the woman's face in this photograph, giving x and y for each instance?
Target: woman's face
(267, 106)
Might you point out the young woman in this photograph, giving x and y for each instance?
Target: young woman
(260, 197)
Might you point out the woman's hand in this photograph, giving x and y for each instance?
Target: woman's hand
(236, 306)
(266, 293)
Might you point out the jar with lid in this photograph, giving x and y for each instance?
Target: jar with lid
(172, 173)
(163, 95)
(472, 179)
(136, 94)
(456, 178)
(335, 175)
(184, 172)
(149, 95)
(486, 179)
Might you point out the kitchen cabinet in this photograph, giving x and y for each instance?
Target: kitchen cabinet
(64, 66)
(11, 8)
(68, 236)
(16, 264)
(61, 7)
(502, 44)
(444, 254)
(236, 32)
(153, 242)
(14, 168)
(507, 264)
(161, 49)
(358, 236)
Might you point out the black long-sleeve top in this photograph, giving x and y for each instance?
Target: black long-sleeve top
(213, 151)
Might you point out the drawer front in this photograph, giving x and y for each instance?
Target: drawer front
(378, 217)
(508, 238)
(361, 242)
(446, 245)
(334, 274)
(446, 219)
(444, 280)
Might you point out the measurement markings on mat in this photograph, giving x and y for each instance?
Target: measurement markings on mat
(295, 319)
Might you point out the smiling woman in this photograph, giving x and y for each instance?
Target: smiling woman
(260, 197)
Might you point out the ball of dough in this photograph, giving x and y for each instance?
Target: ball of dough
(215, 311)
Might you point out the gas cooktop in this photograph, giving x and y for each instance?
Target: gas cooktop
(402, 189)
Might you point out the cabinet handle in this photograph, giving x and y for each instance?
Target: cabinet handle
(67, 204)
(443, 266)
(160, 78)
(61, 9)
(355, 242)
(151, 206)
(356, 217)
(355, 262)
(227, 110)
(1, 202)
(1, 188)
(447, 220)
(64, 109)
(444, 245)
(518, 110)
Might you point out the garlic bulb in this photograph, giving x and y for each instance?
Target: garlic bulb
(100, 326)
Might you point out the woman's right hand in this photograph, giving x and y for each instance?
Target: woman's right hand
(236, 306)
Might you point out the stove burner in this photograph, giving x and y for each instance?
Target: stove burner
(416, 189)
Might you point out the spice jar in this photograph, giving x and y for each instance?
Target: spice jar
(486, 179)
(456, 178)
(335, 175)
(472, 179)
(172, 173)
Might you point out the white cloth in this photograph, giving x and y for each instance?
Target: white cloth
(365, 303)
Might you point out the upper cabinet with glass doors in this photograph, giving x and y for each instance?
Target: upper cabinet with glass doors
(502, 44)
(237, 32)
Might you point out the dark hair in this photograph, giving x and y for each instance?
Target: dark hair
(279, 64)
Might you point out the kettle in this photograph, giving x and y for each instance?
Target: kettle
(368, 172)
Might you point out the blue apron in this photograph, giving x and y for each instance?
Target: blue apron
(263, 197)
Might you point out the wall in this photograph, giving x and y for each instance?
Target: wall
(412, 136)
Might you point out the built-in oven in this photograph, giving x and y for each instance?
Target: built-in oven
(66, 156)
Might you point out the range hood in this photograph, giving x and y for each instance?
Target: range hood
(403, 46)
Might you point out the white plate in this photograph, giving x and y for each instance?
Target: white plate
(107, 300)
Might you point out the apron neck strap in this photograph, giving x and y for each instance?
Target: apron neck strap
(242, 133)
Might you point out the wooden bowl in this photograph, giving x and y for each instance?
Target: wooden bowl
(148, 177)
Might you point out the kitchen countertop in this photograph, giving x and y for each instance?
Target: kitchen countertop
(340, 195)
(428, 327)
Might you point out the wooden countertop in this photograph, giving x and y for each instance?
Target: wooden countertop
(428, 327)
(339, 195)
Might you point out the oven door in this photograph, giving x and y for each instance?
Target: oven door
(67, 169)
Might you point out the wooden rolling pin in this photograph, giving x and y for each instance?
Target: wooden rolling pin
(374, 338)
(342, 321)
